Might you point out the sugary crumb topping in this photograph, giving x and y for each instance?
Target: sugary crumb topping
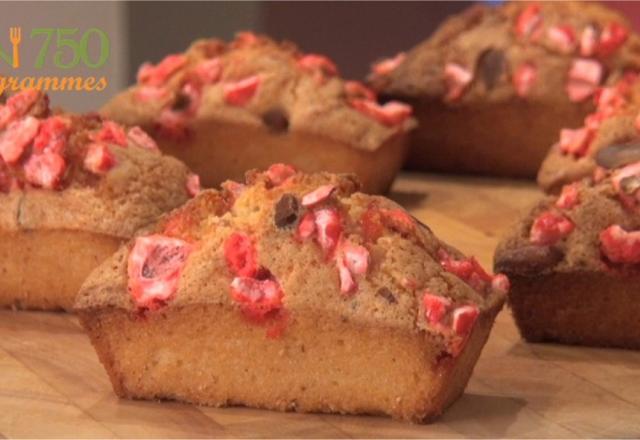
(279, 217)
(609, 101)
(154, 267)
(455, 322)
(606, 140)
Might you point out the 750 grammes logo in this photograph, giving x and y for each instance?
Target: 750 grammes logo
(63, 48)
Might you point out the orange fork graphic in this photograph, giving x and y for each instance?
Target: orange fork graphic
(15, 35)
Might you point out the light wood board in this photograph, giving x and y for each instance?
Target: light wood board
(52, 385)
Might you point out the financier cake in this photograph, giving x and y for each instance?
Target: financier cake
(574, 263)
(608, 138)
(493, 86)
(292, 292)
(72, 190)
(225, 108)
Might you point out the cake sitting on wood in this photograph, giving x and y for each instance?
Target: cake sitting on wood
(296, 292)
(574, 262)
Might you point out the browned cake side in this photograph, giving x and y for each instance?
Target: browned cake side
(583, 308)
(72, 190)
(388, 326)
(225, 108)
(450, 141)
(45, 269)
(207, 354)
(574, 264)
(260, 148)
(493, 86)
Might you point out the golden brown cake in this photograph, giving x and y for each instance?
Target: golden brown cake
(72, 190)
(226, 108)
(608, 138)
(292, 292)
(493, 86)
(574, 263)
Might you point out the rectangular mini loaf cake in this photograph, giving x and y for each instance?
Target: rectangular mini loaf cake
(493, 86)
(574, 263)
(293, 292)
(73, 189)
(225, 108)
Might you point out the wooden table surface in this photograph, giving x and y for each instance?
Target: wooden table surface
(52, 385)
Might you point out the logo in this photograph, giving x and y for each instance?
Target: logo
(15, 35)
(60, 49)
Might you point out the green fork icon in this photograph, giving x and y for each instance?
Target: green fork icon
(15, 35)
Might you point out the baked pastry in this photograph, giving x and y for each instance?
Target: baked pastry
(292, 292)
(493, 86)
(574, 263)
(226, 108)
(608, 138)
(72, 190)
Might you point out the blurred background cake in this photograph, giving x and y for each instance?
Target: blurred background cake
(492, 87)
(225, 108)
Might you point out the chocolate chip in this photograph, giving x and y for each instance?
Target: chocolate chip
(181, 103)
(40, 108)
(527, 260)
(618, 155)
(276, 120)
(387, 294)
(491, 66)
(286, 212)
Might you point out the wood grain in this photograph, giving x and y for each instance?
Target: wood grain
(52, 385)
